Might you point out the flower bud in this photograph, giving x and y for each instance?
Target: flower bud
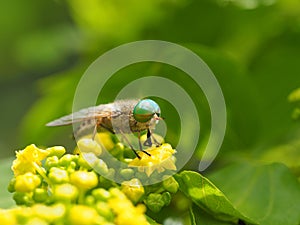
(51, 162)
(72, 167)
(90, 200)
(40, 195)
(27, 182)
(101, 167)
(105, 139)
(104, 210)
(83, 215)
(67, 159)
(58, 176)
(171, 185)
(84, 163)
(56, 151)
(84, 180)
(52, 214)
(101, 194)
(166, 197)
(154, 202)
(65, 192)
(21, 198)
(11, 185)
(133, 189)
(127, 173)
(86, 145)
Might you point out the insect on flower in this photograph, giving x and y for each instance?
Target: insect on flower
(119, 117)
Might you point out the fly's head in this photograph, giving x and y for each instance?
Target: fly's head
(145, 110)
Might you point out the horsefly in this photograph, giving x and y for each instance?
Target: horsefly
(119, 117)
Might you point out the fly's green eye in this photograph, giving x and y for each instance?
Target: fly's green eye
(145, 110)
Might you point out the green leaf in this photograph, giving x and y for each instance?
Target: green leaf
(203, 218)
(6, 200)
(208, 197)
(192, 217)
(151, 221)
(268, 194)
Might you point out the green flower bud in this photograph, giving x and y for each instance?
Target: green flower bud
(101, 194)
(51, 162)
(133, 189)
(111, 173)
(56, 151)
(40, 195)
(155, 202)
(90, 200)
(166, 197)
(116, 193)
(84, 180)
(21, 198)
(11, 185)
(27, 182)
(171, 185)
(104, 210)
(127, 173)
(58, 176)
(67, 159)
(65, 192)
(72, 167)
(101, 167)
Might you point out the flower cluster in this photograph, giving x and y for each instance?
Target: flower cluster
(52, 187)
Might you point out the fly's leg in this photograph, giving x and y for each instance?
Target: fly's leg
(108, 129)
(125, 138)
(94, 132)
(148, 142)
(140, 144)
(156, 142)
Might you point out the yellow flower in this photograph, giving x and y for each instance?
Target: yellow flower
(133, 189)
(161, 159)
(28, 159)
(126, 213)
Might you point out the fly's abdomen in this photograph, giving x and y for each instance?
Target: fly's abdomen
(84, 128)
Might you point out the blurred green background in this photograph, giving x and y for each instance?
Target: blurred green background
(252, 46)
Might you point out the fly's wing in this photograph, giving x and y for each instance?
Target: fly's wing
(96, 112)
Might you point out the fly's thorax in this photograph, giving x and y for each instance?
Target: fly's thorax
(121, 117)
(136, 126)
